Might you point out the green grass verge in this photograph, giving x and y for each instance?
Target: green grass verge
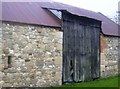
(102, 82)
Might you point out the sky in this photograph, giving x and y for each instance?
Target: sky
(107, 7)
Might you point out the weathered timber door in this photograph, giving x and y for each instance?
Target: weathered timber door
(81, 48)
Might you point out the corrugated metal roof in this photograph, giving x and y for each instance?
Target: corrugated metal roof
(108, 26)
(71, 9)
(30, 13)
(33, 13)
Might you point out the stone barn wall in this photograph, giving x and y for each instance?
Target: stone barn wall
(109, 55)
(0, 54)
(31, 56)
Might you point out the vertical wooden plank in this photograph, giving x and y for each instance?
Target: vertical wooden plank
(92, 51)
(80, 49)
(69, 49)
(98, 52)
(88, 54)
(71, 53)
(66, 71)
(64, 51)
(78, 43)
(82, 54)
(76, 51)
(95, 60)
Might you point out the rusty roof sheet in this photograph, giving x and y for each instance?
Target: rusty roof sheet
(33, 13)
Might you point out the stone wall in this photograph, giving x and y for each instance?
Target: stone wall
(109, 55)
(0, 54)
(31, 56)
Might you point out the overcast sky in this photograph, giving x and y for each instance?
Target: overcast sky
(107, 7)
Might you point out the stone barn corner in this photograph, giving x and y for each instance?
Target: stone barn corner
(55, 44)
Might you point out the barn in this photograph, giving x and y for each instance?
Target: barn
(50, 43)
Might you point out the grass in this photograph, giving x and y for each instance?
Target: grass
(102, 82)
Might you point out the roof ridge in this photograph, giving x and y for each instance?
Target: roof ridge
(76, 7)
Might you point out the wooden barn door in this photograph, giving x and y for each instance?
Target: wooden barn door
(81, 40)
